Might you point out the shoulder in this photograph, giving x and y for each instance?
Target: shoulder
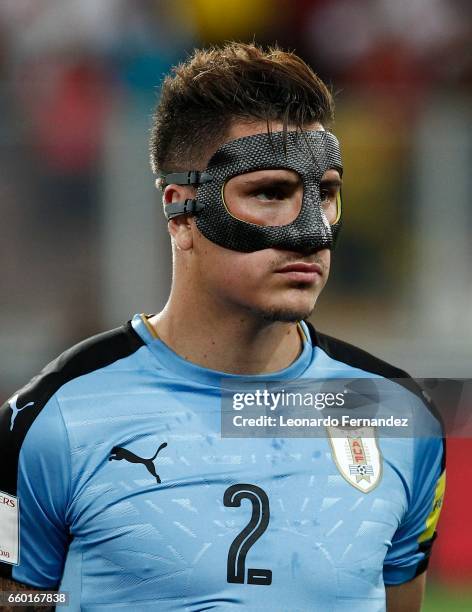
(23, 408)
(87, 356)
(358, 360)
(354, 356)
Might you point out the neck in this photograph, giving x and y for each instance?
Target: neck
(236, 342)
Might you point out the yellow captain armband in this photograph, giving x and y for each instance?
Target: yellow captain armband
(433, 517)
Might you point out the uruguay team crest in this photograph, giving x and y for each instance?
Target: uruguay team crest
(357, 456)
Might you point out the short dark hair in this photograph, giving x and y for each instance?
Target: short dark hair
(204, 95)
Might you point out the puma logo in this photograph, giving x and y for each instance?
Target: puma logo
(119, 453)
(15, 410)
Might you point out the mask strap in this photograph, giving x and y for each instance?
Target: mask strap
(193, 177)
(182, 208)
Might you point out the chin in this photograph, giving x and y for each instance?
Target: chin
(286, 316)
(285, 313)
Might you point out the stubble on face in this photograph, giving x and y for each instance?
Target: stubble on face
(283, 314)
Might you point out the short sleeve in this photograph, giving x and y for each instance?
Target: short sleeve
(36, 481)
(411, 545)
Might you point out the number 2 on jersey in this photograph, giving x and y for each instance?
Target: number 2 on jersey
(249, 535)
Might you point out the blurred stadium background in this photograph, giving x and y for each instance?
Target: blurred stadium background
(83, 242)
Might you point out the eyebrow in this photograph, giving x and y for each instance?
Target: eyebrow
(268, 180)
(331, 183)
(265, 181)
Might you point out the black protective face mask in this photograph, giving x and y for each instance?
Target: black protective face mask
(309, 154)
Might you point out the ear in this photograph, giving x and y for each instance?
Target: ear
(180, 227)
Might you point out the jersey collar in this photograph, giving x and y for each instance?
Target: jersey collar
(169, 360)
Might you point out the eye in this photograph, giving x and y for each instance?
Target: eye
(269, 194)
(328, 191)
(330, 194)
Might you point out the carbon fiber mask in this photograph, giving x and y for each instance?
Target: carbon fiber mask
(309, 154)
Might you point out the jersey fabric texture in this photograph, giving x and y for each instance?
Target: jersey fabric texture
(130, 499)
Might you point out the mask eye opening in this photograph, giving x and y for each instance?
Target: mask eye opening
(338, 207)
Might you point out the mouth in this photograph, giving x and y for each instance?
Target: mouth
(301, 272)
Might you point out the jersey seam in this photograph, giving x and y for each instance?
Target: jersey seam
(69, 456)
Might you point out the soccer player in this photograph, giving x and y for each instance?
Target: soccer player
(116, 483)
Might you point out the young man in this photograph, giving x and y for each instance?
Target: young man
(126, 493)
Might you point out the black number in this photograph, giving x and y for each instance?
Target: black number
(249, 535)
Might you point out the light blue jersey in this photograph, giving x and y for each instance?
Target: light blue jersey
(128, 498)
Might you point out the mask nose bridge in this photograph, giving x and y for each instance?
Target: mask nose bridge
(311, 179)
(312, 204)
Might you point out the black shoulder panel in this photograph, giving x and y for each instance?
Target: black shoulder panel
(20, 411)
(358, 358)
(354, 356)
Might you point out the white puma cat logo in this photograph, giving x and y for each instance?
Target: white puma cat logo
(15, 410)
